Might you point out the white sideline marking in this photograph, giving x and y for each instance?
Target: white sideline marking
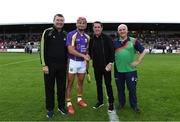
(18, 62)
(113, 117)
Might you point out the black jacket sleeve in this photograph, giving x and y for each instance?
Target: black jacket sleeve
(110, 49)
(43, 48)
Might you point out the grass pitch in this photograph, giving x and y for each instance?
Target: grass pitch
(22, 91)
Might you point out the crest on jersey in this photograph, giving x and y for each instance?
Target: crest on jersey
(77, 39)
(86, 40)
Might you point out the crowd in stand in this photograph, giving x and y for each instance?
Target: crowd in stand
(150, 41)
(11, 44)
(19, 41)
(164, 43)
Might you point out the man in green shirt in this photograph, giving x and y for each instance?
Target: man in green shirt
(125, 65)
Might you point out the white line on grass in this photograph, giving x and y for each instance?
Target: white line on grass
(18, 62)
(113, 117)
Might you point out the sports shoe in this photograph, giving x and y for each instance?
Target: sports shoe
(63, 111)
(50, 114)
(71, 109)
(98, 105)
(110, 108)
(82, 104)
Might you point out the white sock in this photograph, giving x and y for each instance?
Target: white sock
(79, 99)
(68, 104)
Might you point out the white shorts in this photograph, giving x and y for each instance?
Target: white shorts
(77, 66)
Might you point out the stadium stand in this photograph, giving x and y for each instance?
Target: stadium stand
(162, 36)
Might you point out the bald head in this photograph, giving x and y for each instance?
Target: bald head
(122, 31)
(81, 24)
(122, 26)
(80, 19)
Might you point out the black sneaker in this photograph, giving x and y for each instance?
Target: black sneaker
(63, 111)
(136, 109)
(111, 107)
(98, 105)
(50, 114)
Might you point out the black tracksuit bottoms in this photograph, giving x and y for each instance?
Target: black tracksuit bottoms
(58, 74)
(99, 74)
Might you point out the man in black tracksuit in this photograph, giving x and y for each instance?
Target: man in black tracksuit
(54, 63)
(102, 53)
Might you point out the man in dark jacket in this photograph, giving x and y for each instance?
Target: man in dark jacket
(54, 64)
(102, 53)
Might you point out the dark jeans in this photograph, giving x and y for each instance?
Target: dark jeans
(99, 74)
(130, 78)
(57, 74)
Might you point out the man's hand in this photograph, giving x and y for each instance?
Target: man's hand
(138, 61)
(86, 57)
(109, 67)
(45, 69)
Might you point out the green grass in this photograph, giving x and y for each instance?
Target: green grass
(22, 91)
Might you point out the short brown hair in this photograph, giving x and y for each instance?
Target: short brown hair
(59, 15)
(98, 22)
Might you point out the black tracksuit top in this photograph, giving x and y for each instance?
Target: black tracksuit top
(55, 49)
